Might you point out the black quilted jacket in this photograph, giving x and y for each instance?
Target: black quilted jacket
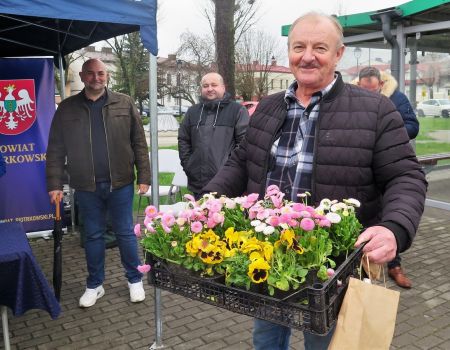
(361, 151)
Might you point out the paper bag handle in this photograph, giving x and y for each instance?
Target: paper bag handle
(368, 268)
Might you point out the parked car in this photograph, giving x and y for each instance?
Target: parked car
(250, 105)
(434, 107)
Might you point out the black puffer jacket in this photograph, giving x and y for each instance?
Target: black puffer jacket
(361, 151)
(210, 131)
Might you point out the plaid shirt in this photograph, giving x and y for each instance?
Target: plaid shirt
(293, 151)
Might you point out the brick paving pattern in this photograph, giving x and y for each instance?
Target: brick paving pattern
(114, 323)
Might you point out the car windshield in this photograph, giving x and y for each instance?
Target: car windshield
(444, 102)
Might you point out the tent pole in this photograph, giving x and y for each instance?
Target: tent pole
(62, 90)
(152, 102)
(62, 94)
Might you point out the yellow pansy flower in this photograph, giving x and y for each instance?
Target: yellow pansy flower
(258, 271)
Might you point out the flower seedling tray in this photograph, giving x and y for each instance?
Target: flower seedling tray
(312, 307)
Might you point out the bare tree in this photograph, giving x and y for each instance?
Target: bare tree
(245, 16)
(431, 75)
(256, 58)
(186, 87)
(229, 20)
(68, 74)
(131, 75)
(198, 51)
(224, 30)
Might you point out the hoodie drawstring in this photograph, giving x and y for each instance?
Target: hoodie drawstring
(201, 112)
(217, 113)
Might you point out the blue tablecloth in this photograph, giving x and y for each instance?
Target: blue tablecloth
(22, 284)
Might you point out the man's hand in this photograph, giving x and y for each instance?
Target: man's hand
(381, 245)
(143, 188)
(54, 195)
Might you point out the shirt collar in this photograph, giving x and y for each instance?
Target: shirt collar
(290, 92)
(102, 98)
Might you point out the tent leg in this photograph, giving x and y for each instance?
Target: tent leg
(158, 320)
(62, 94)
(154, 181)
(4, 313)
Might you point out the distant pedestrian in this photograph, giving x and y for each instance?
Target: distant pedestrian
(372, 79)
(100, 134)
(210, 131)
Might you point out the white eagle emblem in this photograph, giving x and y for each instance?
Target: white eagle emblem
(17, 108)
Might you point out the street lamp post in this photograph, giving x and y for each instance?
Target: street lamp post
(179, 64)
(357, 53)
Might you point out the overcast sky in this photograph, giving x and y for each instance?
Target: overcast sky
(178, 16)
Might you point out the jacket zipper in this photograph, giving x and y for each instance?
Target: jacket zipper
(266, 166)
(90, 141)
(316, 137)
(107, 151)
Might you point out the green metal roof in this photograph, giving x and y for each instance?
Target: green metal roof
(428, 10)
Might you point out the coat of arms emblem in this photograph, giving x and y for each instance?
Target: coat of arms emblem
(17, 106)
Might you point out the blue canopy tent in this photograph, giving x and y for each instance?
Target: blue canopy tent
(57, 28)
(41, 27)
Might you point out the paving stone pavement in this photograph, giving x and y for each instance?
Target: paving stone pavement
(114, 323)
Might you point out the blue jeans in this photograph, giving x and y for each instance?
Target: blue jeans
(271, 336)
(93, 207)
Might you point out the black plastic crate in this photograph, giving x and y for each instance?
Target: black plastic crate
(314, 307)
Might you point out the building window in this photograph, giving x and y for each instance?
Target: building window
(169, 79)
(271, 84)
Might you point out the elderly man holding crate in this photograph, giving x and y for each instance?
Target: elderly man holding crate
(333, 140)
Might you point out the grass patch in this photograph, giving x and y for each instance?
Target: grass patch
(427, 126)
(164, 179)
(431, 148)
(175, 147)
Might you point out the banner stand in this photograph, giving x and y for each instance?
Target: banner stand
(27, 106)
(43, 234)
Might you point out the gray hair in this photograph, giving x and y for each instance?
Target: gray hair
(368, 72)
(313, 14)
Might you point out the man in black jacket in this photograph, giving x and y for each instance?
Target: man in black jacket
(210, 131)
(335, 141)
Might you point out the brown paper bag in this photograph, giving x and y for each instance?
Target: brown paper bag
(373, 270)
(366, 320)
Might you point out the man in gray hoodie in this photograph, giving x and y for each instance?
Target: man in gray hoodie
(210, 131)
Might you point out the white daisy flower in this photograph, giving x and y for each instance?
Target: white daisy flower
(354, 202)
(255, 223)
(334, 218)
(268, 230)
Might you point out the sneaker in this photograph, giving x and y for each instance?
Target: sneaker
(137, 292)
(91, 295)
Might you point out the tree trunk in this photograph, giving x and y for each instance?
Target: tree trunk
(225, 42)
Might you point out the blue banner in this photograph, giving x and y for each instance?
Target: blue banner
(27, 105)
